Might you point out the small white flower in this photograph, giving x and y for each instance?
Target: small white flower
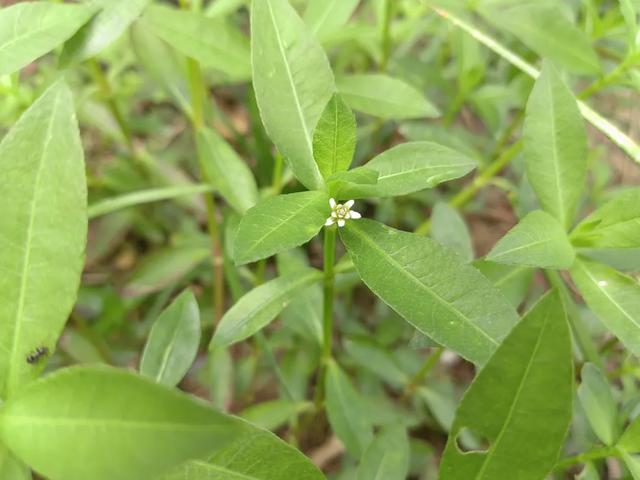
(340, 213)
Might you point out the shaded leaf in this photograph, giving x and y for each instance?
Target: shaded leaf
(326, 17)
(597, 401)
(449, 228)
(387, 457)
(173, 342)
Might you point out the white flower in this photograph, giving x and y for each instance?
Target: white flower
(340, 213)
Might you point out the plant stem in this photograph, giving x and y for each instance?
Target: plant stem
(421, 375)
(595, 454)
(468, 193)
(609, 78)
(386, 34)
(327, 310)
(198, 96)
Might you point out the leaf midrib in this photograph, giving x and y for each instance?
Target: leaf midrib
(516, 399)
(416, 280)
(28, 247)
(424, 168)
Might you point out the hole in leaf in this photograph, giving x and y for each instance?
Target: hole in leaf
(469, 440)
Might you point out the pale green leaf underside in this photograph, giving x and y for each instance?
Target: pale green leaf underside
(82, 423)
(385, 97)
(280, 223)
(598, 403)
(555, 147)
(226, 171)
(449, 228)
(31, 29)
(529, 378)
(260, 306)
(431, 287)
(326, 17)
(42, 242)
(613, 297)
(293, 82)
(173, 342)
(538, 240)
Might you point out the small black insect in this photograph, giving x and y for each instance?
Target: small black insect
(35, 356)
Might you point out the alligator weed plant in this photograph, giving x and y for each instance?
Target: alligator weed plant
(238, 241)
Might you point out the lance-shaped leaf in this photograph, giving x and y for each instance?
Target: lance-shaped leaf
(173, 343)
(31, 29)
(630, 440)
(42, 241)
(11, 467)
(387, 457)
(293, 82)
(345, 410)
(84, 423)
(528, 384)
(613, 297)
(326, 17)
(260, 306)
(547, 31)
(334, 140)
(384, 97)
(211, 41)
(411, 167)
(597, 401)
(342, 185)
(431, 287)
(280, 223)
(615, 225)
(103, 29)
(538, 240)
(449, 228)
(555, 146)
(226, 171)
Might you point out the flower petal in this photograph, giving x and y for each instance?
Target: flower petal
(341, 222)
(332, 203)
(350, 203)
(355, 215)
(329, 222)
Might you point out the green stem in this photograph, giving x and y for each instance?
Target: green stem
(468, 193)
(608, 79)
(595, 454)
(386, 35)
(423, 373)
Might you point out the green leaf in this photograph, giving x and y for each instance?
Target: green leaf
(538, 240)
(597, 401)
(555, 146)
(377, 359)
(630, 440)
(226, 171)
(84, 423)
(103, 29)
(326, 17)
(274, 414)
(345, 410)
(11, 468)
(304, 313)
(615, 225)
(513, 282)
(43, 239)
(31, 29)
(173, 342)
(431, 287)
(293, 83)
(343, 185)
(613, 297)
(166, 67)
(633, 464)
(449, 228)
(546, 30)
(260, 306)
(334, 139)
(411, 167)
(280, 223)
(385, 97)
(211, 41)
(387, 458)
(528, 378)
(163, 267)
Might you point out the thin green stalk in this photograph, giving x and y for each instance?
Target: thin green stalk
(608, 79)
(423, 373)
(595, 454)
(386, 35)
